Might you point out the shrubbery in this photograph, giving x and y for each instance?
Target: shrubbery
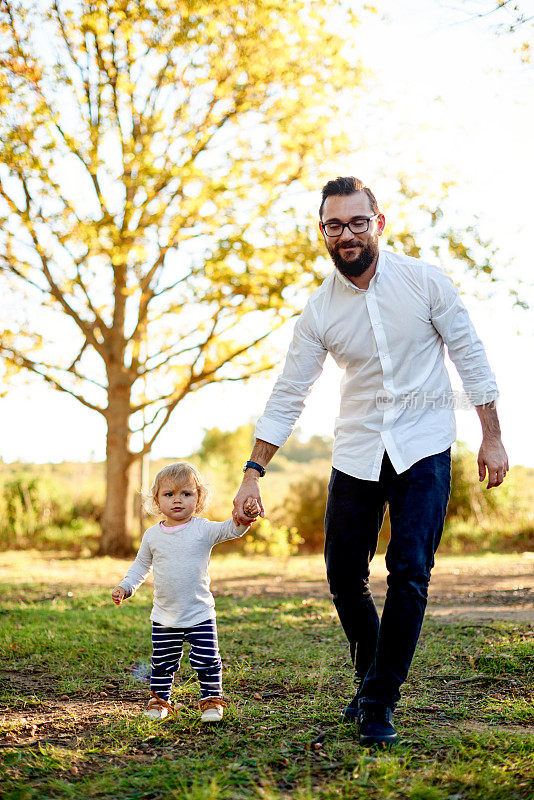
(59, 506)
(274, 540)
(478, 520)
(37, 511)
(303, 509)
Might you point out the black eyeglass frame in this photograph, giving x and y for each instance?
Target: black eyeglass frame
(347, 225)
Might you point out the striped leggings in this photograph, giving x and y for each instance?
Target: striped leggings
(167, 644)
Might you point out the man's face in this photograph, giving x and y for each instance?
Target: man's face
(352, 253)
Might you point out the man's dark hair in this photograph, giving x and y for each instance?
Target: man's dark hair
(347, 186)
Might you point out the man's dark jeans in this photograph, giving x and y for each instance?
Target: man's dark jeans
(383, 649)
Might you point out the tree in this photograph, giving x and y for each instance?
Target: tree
(226, 451)
(220, 457)
(506, 16)
(148, 153)
(302, 452)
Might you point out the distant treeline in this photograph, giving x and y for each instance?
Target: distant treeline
(59, 506)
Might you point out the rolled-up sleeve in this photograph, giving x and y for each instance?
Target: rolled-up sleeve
(451, 320)
(303, 365)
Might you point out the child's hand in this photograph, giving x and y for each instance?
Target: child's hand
(117, 595)
(251, 507)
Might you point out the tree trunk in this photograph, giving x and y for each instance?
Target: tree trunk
(117, 520)
(144, 485)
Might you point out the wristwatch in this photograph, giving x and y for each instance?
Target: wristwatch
(253, 465)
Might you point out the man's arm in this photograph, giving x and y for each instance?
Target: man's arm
(451, 320)
(303, 365)
(250, 485)
(492, 455)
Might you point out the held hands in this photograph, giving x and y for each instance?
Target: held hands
(247, 502)
(251, 507)
(117, 595)
(492, 457)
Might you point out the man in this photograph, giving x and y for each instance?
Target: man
(385, 318)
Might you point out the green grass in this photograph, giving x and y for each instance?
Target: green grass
(466, 719)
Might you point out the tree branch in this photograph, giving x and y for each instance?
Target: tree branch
(75, 61)
(25, 219)
(54, 289)
(200, 380)
(173, 285)
(147, 295)
(12, 269)
(170, 350)
(54, 120)
(80, 354)
(19, 359)
(167, 413)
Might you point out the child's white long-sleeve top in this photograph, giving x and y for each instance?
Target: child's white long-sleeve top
(180, 557)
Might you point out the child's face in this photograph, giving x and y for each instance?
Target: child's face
(177, 503)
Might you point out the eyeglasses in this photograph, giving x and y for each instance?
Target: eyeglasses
(358, 225)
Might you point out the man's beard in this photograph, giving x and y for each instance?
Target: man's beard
(353, 269)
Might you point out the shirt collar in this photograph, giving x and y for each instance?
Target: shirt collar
(375, 279)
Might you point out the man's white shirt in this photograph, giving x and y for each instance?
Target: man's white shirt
(390, 339)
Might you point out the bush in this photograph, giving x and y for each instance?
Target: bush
(304, 508)
(468, 537)
(468, 499)
(80, 538)
(318, 447)
(30, 504)
(477, 519)
(37, 511)
(264, 537)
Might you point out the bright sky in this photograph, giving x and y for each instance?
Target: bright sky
(460, 105)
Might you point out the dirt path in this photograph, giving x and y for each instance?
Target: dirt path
(479, 588)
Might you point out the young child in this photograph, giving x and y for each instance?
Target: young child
(178, 550)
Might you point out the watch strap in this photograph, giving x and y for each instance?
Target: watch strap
(253, 465)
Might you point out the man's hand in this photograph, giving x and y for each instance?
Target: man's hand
(117, 595)
(262, 452)
(248, 491)
(492, 457)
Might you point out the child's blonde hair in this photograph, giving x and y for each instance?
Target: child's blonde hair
(180, 473)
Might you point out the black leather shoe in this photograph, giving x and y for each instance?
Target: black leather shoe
(375, 722)
(350, 713)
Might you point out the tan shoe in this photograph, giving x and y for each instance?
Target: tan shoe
(212, 709)
(158, 708)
